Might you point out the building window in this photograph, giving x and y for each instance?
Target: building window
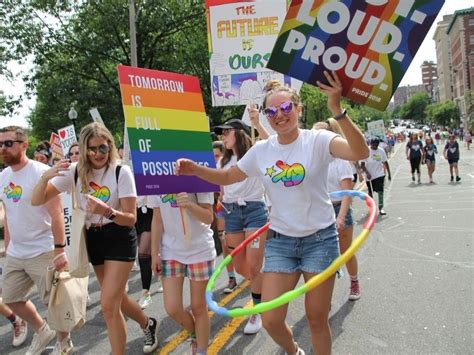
(471, 39)
(471, 22)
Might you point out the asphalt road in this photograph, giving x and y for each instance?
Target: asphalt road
(416, 272)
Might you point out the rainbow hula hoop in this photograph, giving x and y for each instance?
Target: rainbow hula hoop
(308, 286)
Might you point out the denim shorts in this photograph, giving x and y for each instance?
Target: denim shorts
(312, 254)
(348, 221)
(250, 217)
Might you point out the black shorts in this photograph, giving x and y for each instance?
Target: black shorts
(144, 220)
(452, 161)
(111, 242)
(376, 184)
(354, 177)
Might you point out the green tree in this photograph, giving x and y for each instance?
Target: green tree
(443, 114)
(414, 109)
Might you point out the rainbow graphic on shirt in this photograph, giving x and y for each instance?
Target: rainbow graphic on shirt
(171, 198)
(13, 192)
(100, 192)
(370, 44)
(290, 175)
(165, 121)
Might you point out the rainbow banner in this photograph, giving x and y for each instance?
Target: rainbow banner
(165, 120)
(241, 35)
(370, 43)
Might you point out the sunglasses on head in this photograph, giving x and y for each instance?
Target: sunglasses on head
(284, 107)
(8, 143)
(103, 148)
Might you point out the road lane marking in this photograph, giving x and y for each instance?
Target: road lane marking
(227, 332)
(183, 335)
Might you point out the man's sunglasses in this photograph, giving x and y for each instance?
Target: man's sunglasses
(103, 148)
(8, 143)
(284, 107)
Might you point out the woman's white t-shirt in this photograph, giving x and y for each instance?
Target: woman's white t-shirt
(338, 170)
(198, 246)
(102, 184)
(251, 189)
(295, 179)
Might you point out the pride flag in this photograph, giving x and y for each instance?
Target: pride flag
(165, 120)
(369, 43)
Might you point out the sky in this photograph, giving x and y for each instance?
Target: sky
(427, 51)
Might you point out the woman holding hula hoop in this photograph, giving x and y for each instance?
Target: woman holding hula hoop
(245, 212)
(293, 166)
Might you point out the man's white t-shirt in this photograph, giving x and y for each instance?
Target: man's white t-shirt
(251, 189)
(102, 184)
(199, 246)
(374, 163)
(295, 179)
(338, 170)
(29, 226)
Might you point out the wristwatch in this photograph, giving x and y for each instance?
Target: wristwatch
(341, 116)
(57, 246)
(112, 215)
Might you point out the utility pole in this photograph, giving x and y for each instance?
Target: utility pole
(133, 33)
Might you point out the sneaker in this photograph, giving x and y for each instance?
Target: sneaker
(20, 331)
(458, 179)
(159, 286)
(253, 325)
(231, 286)
(355, 291)
(299, 351)
(382, 212)
(135, 266)
(63, 347)
(144, 300)
(40, 340)
(452, 178)
(151, 341)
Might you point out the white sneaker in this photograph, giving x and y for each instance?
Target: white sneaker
(144, 300)
(64, 347)
(254, 324)
(159, 286)
(135, 266)
(40, 340)
(20, 331)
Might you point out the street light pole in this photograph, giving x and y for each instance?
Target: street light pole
(73, 116)
(133, 33)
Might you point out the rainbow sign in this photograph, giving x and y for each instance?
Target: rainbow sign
(370, 43)
(165, 120)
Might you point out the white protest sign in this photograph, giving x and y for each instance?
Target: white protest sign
(94, 112)
(68, 138)
(376, 129)
(66, 199)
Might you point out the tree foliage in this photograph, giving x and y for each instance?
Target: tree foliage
(414, 109)
(444, 114)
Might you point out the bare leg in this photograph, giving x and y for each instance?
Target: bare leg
(202, 324)
(274, 284)
(173, 300)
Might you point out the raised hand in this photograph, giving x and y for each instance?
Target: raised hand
(253, 114)
(333, 92)
(56, 170)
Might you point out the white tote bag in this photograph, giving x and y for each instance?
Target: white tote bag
(78, 260)
(67, 301)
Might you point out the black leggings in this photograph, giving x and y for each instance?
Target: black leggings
(415, 165)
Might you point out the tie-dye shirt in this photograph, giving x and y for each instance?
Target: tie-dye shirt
(295, 179)
(29, 226)
(102, 184)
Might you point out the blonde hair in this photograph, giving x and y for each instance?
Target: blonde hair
(84, 167)
(274, 86)
(330, 125)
